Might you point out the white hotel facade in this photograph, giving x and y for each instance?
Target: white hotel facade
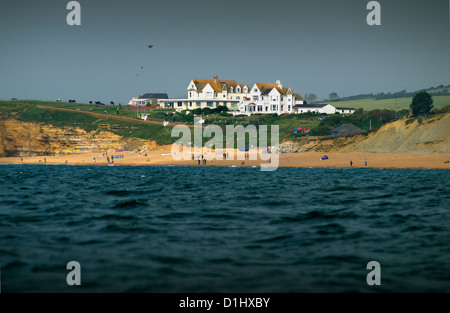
(238, 98)
(261, 98)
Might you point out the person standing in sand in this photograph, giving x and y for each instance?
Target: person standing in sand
(351, 163)
(365, 162)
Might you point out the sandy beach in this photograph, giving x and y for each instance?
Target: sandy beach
(163, 157)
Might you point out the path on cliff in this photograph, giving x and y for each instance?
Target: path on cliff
(109, 116)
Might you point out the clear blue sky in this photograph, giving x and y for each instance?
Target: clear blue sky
(314, 46)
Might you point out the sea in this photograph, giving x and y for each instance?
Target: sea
(157, 229)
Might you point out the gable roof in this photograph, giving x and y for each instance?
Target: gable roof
(347, 129)
(154, 96)
(265, 88)
(298, 96)
(218, 87)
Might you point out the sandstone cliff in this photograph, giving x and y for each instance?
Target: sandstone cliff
(422, 135)
(30, 139)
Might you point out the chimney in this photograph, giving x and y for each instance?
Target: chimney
(279, 84)
(216, 80)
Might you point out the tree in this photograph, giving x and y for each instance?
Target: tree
(310, 98)
(422, 103)
(333, 96)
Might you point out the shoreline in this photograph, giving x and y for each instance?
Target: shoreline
(286, 160)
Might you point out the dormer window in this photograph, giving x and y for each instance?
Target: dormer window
(238, 89)
(245, 89)
(231, 89)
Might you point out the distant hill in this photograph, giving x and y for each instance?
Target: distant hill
(435, 91)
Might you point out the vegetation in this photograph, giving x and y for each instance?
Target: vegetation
(422, 103)
(133, 126)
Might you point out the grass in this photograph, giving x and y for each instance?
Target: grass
(29, 112)
(391, 104)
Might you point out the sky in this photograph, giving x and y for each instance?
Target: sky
(313, 46)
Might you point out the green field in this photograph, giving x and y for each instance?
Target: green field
(391, 104)
(35, 111)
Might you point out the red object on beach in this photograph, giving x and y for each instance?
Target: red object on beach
(150, 46)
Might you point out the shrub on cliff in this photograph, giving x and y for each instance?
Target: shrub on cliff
(422, 103)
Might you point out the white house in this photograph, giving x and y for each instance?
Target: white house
(210, 93)
(148, 98)
(319, 108)
(261, 98)
(270, 98)
(346, 110)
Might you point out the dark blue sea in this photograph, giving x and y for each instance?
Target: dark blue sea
(219, 229)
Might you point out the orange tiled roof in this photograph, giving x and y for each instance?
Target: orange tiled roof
(201, 83)
(298, 96)
(264, 86)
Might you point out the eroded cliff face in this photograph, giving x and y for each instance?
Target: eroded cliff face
(31, 139)
(426, 135)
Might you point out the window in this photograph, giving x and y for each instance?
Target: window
(282, 107)
(180, 104)
(267, 109)
(255, 89)
(209, 103)
(274, 99)
(238, 89)
(255, 97)
(245, 89)
(260, 108)
(238, 98)
(231, 89)
(190, 104)
(224, 96)
(198, 104)
(209, 94)
(234, 105)
(289, 108)
(274, 107)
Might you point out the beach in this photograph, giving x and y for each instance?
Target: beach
(164, 157)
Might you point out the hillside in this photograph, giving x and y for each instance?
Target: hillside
(18, 138)
(391, 104)
(413, 135)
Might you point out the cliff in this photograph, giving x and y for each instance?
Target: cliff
(421, 135)
(19, 138)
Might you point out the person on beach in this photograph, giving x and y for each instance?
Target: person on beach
(45, 160)
(351, 163)
(94, 160)
(365, 162)
(66, 161)
(21, 159)
(198, 161)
